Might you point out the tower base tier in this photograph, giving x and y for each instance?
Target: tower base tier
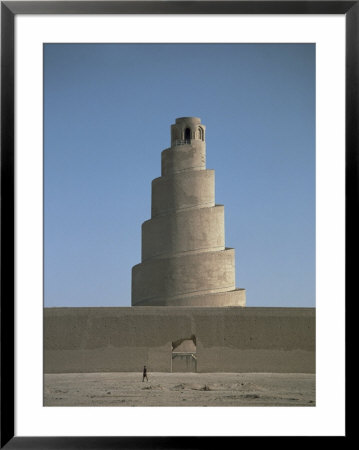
(229, 298)
(184, 275)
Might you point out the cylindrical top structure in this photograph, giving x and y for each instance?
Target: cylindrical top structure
(184, 258)
(188, 147)
(186, 130)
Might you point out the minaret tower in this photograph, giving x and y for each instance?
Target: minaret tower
(184, 258)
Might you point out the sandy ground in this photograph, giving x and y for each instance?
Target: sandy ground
(179, 389)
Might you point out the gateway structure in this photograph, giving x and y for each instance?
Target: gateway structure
(184, 258)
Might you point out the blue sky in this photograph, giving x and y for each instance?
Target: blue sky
(107, 115)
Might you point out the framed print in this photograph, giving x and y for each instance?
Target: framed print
(96, 82)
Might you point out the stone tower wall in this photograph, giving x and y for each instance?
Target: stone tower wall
(184, 258)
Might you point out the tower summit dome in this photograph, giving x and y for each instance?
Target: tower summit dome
(184, 258)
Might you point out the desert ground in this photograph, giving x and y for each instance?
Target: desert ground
(179, 389)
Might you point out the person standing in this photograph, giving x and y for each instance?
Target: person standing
(144, 374)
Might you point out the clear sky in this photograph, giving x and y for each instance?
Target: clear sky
(107, 115)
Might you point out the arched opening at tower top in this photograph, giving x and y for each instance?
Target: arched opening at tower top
(187, 134)
(200, 133)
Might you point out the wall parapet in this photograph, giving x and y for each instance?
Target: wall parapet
(228, 339)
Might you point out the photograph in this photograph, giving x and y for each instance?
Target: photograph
(178, 219)
(179, 224)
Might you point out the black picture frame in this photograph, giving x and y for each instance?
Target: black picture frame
(9, 9)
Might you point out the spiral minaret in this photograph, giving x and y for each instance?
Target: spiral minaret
(184, 258)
